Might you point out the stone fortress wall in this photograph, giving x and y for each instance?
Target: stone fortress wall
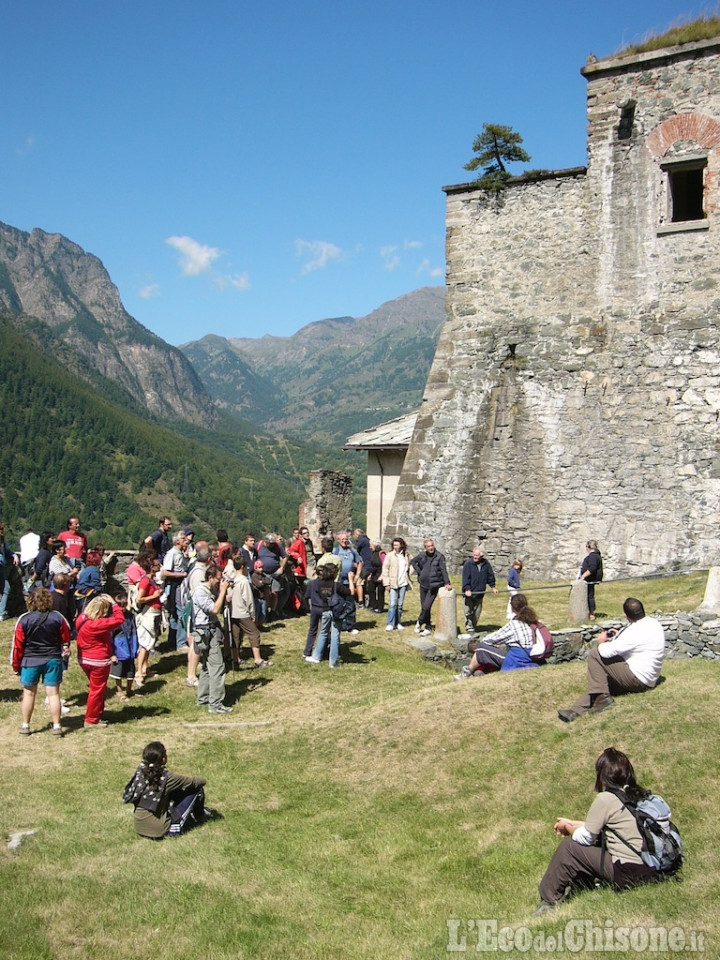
(575, 391)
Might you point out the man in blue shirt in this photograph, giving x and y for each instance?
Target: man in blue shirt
(349, 557)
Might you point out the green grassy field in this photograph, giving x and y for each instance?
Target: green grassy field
(380, 810)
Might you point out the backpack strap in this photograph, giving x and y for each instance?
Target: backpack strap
(630, 807)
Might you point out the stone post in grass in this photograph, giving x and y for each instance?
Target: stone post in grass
(711, 600)
(446, 619)
(578, 611)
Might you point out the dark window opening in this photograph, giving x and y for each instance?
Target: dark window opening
(686, 194)
(627, 119)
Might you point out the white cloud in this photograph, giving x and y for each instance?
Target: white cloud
(412, 244)
(390, 258)
(241, 281)
(430, 271)
(319, 252)
(196, 258)
(151, 290)
(27, 147)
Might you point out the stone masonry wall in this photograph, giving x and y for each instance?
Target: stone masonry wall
(687, 635)
(328, 508)
(575, 390)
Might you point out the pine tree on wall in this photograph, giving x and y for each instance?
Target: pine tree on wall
(496, 146)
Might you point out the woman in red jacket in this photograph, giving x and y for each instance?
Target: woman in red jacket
(95, 627)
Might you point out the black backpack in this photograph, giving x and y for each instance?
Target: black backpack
(343, 611)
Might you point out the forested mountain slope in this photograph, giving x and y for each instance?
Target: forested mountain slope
(332, 377)
(68, 449)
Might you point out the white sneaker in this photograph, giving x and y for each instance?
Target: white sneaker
(389, 629)
(400, 627)
(425, 632)
(418, 628)
(311, 660)
(354, 633)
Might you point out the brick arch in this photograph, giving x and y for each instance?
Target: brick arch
(683, 126)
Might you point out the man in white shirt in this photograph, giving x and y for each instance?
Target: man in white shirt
(174, 568)
(625, 661)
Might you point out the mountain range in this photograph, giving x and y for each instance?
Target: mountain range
(331, 378)
(46, 277)
(103, 418)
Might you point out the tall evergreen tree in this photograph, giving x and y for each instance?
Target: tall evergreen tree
(496, 146)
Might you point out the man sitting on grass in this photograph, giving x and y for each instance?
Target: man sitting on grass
(625, 661)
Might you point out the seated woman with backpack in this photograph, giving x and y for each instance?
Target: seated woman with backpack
(608, 844)
(166, 803)
(516, 645)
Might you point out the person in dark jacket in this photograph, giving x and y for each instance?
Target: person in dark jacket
(40, 641)
(477, 576)
(429, 565)
(591, 571)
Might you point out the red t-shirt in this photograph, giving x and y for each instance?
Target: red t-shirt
(148, 586)
(76, 544)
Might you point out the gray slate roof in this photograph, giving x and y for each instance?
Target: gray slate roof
(393, 435)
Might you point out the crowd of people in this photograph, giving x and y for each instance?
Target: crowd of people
(211, 597)
(205, 598)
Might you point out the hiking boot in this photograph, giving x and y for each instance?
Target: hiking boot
(567, 716)
(24, 731)
(58, 732)
(603, 702)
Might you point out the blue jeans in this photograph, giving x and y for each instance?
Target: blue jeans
(328, 627)
(4, 598)
(395, 605)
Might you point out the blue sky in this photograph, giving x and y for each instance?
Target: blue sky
(247, 168)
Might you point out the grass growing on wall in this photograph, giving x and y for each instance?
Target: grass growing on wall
(704, 28)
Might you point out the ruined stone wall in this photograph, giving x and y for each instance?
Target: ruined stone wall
(328, 508)
(575, 391)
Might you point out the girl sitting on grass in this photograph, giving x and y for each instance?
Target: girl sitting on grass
(165, 803)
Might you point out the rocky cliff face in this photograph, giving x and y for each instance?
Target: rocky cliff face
(47, 277)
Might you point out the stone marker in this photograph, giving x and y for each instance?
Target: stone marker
(711, 600)
(446, 621)
(578, 611)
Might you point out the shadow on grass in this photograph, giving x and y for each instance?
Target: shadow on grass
(349, 653)
(242, 686)
(11, 695)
